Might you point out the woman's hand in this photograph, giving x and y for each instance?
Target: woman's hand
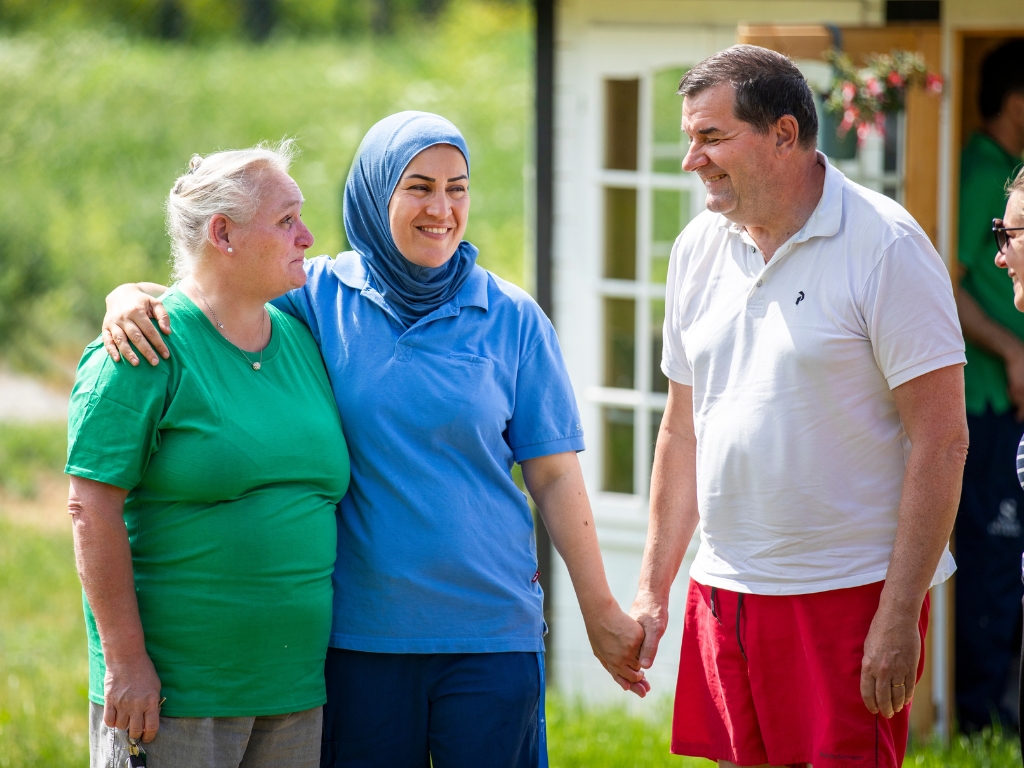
(132, 697)
(556, 484)
(130, 308)
(616, 639)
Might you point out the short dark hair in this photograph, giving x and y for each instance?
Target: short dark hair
(768, 85)
(1002, 73)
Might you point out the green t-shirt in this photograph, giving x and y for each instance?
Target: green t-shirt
(985, 168)
(234, 477)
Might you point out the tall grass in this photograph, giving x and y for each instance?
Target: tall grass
(26, 450)
(94, 128)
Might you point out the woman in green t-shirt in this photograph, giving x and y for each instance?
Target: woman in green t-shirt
(204, 493)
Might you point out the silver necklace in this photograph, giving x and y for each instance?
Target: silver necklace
(256, 364)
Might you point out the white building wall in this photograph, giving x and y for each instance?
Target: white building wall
(597, 39)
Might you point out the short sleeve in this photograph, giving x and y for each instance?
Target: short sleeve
(673, 355)
(545, 419)
(113, 418)
(910, 312)
(298, 302)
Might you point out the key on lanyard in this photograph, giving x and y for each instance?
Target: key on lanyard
(136, 755)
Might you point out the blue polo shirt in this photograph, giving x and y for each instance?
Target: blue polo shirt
(436, 549)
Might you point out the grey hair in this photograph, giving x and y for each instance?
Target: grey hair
(1016, 184)
(228, 183)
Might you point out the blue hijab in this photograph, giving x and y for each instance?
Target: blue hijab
(410, 290)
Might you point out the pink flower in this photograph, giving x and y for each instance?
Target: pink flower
(874, 87)
(895, 80)
(933, 82)
(862, 132)
(849, 91)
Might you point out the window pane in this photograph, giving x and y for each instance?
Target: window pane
(669, 141)
(618, 449)
(671, 214)
(655, 417)
(622, 104)
(620, 233)
(620, 342)
(659, 382)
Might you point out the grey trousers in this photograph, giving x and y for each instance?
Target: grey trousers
(271, 741)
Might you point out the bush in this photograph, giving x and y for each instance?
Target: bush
(95, 128)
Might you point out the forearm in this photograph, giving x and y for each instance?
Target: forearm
(673, 513)
(104, 561)
(563, 505)
(931, 494)
(984, 332)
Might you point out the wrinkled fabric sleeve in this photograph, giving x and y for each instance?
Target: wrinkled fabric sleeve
(113, 418)
(673, 353)
(910, 312)
(299, 302)
(545, 419)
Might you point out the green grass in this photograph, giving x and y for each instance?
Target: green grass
(43, 666)
(94, 129)
(27, 450)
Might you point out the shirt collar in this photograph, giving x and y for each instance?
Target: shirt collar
(350, 268)
(827, 215)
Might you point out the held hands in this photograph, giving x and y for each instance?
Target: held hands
(888, 671)
(616, 639)
(129, 310)
(651, 614)
(132, 698)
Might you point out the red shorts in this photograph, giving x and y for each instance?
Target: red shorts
(784, 687)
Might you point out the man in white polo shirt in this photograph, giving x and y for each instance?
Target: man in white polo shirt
(814, 432)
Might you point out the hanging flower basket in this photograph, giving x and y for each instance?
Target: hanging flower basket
(860, 98)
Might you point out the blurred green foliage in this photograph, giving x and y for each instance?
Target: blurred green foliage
(95, 127)
(26, 450)
(204, 20)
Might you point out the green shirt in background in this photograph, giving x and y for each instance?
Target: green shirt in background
(985, 168)
(234, 476)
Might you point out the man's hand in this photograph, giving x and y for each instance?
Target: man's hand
(888, 672)
(651, 614)
(129, 310)
(1015, 379)
(132, 696)
(616, 639)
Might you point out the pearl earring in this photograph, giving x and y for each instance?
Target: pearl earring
(231, 250)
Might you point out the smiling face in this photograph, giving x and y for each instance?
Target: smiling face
(731, 158)
(430, 206)
(1012, 257)
(274, 242)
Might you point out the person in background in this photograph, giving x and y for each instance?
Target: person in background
(989, 531)
(204, 493)
(1009, 232)
(445, 377)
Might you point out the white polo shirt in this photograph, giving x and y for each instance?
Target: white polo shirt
(800, 448)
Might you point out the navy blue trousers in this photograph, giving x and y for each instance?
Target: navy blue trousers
(445, 710)
(989, 539)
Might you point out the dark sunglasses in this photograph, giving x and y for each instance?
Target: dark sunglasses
(1000, 233)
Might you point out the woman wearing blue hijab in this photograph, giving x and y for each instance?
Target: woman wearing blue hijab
(445, 376)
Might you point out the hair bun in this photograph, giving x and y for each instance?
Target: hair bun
(194, 162)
